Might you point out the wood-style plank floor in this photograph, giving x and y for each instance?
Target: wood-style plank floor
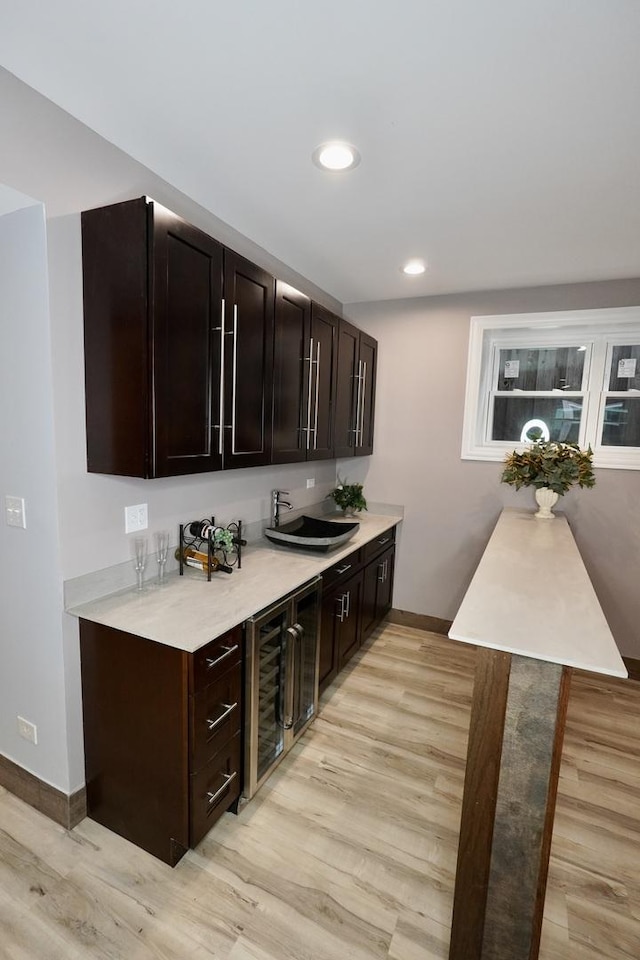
(348, 852)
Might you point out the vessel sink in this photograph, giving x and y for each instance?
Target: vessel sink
(312, 533)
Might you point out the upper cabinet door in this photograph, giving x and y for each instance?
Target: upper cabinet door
(186, 333)
(346, 392)
(115, 269)
(367, 383)
(248, 362)
(322, 394)
(292, 380)
(355, 392)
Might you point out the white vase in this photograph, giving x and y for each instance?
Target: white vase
(546, 499)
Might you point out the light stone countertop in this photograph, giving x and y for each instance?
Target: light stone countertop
(188, 611)
(531, 595)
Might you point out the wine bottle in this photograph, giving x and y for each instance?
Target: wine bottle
(200, 561)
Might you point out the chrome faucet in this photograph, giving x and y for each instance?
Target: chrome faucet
(276, 503)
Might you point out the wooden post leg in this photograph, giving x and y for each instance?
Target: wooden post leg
(515, 744)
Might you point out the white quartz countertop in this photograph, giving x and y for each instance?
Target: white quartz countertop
(531, 595)
(188, 611)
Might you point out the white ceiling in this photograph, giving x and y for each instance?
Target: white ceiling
(500, 139)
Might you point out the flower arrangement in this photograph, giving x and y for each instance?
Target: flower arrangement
(557, 466)
(348, 496)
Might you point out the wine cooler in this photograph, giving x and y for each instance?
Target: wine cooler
(282, 680)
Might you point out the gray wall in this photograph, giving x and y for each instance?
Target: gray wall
(451, 505)
(31, 647)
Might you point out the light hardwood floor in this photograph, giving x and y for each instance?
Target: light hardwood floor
(348, 852)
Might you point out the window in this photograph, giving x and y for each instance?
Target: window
(572, 376)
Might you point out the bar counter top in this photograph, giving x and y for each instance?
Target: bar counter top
(531, 596)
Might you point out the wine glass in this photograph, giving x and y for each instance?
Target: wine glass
(162, 543)
(140, 545)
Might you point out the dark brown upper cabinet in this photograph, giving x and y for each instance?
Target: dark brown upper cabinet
(355, 392)
(152, 340)
(248, 362)
(178, 340)
(304, 371)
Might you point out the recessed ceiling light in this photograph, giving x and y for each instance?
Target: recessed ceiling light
(336, 155)
(413, 268)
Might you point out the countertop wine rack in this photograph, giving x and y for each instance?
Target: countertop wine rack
(229, 553)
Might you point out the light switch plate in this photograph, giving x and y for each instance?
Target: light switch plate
(311, 483)
(15, 512)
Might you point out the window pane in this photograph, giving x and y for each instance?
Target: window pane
(558, 368)
(561, 417)
(625, 361)
(621, 422)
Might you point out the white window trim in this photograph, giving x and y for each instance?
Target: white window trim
(599, 329)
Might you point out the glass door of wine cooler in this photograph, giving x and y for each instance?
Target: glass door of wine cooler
(281, 694)
(272, 660)
(305, 698)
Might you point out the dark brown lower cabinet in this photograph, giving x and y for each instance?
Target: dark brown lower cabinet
(340, 627)
(162, 732)
(377, 591)
(356, 597)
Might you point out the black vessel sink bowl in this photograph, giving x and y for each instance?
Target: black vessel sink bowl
(312, 533)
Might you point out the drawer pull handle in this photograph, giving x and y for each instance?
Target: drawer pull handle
(228, 708)
(227, 653)
(383, 540)
(341, 570)
(227, 777)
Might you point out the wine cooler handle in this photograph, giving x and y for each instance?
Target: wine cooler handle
(299, 677)
(289, 677)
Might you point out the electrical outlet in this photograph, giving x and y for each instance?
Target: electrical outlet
(15, 512)
(27, 730)
(311, 483)
(136, 518)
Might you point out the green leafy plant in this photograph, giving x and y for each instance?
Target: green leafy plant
(557, 466)
(349, 496)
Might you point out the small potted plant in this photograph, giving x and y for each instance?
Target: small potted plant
(348, 496)
(551, 468)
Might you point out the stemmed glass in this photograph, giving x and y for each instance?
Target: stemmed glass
(140, 545)
(162, 542)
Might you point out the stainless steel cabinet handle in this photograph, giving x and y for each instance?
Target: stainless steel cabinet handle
(358, 401)
(341, 612)
(384, 540)
(315, 417)
(221, 424)
(234, 381)
(341, 570)
(364, 399)
(228, 777)
(381, 572)
(309, 389)
(228, 708)
(348, 595)
(227, 653)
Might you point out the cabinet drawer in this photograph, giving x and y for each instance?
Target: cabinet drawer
(215, 658)
(215, 716)
(214, 789)
(343, 569)
(374, 546)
